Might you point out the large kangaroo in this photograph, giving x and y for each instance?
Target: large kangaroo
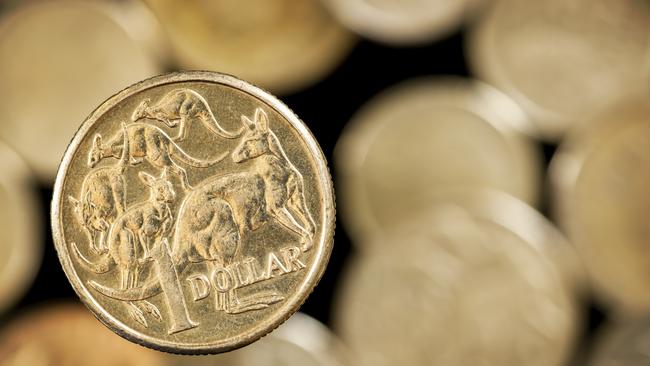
(177, 108)
(283, 183)
(213, 217)
(147, 142)
(102, 199)
(133, 234)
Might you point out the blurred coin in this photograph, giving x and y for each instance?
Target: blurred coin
(624, 344)
(563, 59)
(301, 341)
(282, 45)
(401, 21)
(67, 335)
(20, 228)
(601, 180)
(430, 135)
(456, 288)
(59, 59)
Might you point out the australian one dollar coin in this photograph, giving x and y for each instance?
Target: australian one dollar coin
(193, 213)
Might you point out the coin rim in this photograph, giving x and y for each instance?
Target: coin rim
(281, 314)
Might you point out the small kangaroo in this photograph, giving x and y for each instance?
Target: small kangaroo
(177, 108)
(101, 200)
(133, 234)
(151, 143)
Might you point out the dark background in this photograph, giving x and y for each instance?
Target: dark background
(325, 107)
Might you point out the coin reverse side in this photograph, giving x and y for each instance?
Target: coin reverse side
(193, 213)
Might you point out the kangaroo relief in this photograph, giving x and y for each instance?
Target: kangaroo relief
(185, 254)
(150, 143)
(102, 199)
(284, 185)
(178, 108)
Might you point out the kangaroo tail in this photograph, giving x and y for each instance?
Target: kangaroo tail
(105, 264)
(177, 152)
(211, 123)
(148, 290)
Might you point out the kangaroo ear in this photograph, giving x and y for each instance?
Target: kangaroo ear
(97, 140)
(261, 120)
(147, 179)
(248, 123)
(75, 202)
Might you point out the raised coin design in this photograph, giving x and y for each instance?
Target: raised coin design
(193, 213)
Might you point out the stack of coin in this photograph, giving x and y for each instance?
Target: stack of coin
(282, 45)
(68, 335)
(562, 60)
(20, 222)
(58, 60)
(601, 181)
(432, 176)
(301, 341)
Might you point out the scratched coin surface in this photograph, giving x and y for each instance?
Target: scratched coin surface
(455, 288)
(401, 21)
(563, 59)
(425, 137)
(193, 213)
(58, 60)
(20, 242)
(67, 335)
(300, 341)
(626, 343)
(282, 45)
(600, 177)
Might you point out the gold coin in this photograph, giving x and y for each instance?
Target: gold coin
(626, 343)
(58, 59)
(67, 335)
(401, 22)
(20, 239)
(456, 287)
(193, 213)
(423, 138)
(282, 45)
(600, 177)
(562, 60)
(300, 341)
